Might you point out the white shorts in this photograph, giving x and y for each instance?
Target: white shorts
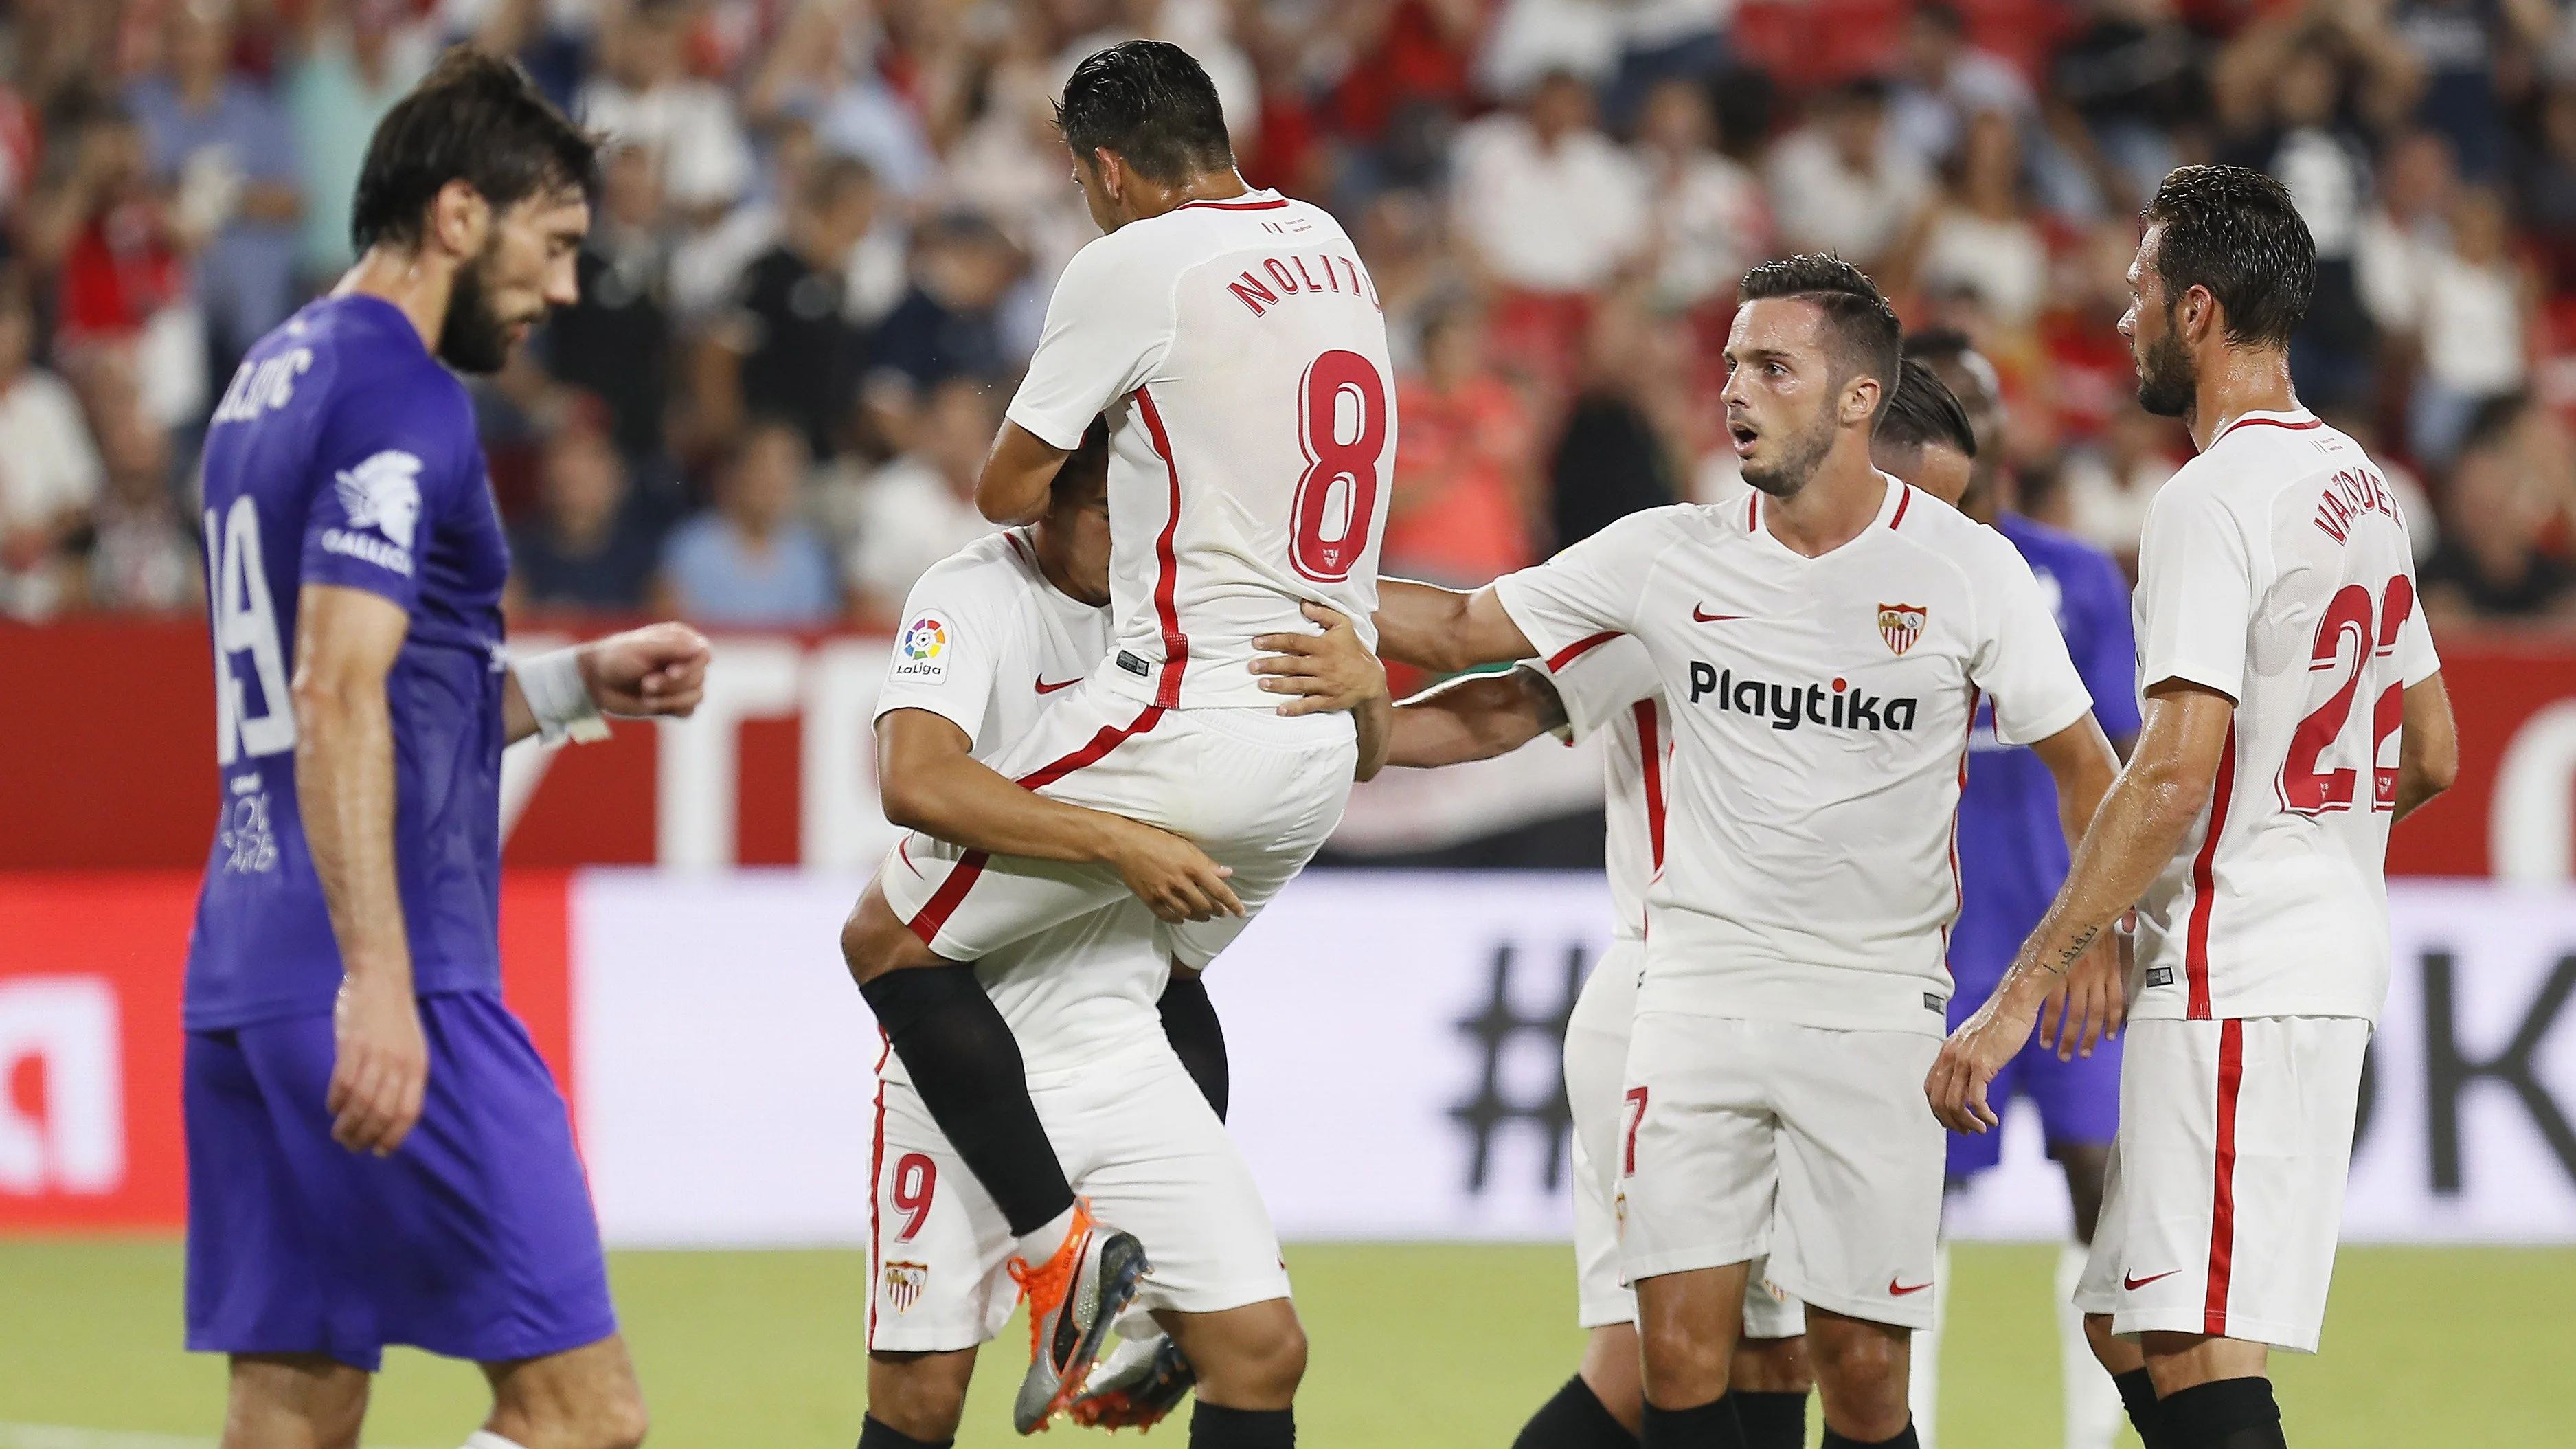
(2225, 1193)
(1258, 791)
(1596, 1053)
(1136, 1139)
(1815, 1146)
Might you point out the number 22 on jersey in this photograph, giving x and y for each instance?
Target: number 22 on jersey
(2310, 783)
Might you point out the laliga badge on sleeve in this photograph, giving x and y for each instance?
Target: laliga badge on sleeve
(921, 651)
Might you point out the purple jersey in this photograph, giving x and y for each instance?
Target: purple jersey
(343, 453)
(2012, 850)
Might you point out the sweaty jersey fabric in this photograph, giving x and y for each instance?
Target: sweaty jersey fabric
(2012, 846)
(1821, 709)
(2275, 569)
(342, 453)
(1238, 350)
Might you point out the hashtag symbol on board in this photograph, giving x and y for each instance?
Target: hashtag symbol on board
(1493, 1027)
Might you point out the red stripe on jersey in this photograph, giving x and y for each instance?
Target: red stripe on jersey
(1958, 897)
(1167, 568)
(1108, 738)
(1578, 649)
(2268, 423)
(1752, 511)
(1650, 753)
(876, 1175)
(942, 904)
(2204, 887)
(1270, 205)
(1903, 501)
(2222, 1200)
(1012, 537)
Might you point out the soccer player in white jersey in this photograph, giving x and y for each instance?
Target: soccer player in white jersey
(2294, 710)
(1124, 1089)
(1822, 643)
(1235, 343)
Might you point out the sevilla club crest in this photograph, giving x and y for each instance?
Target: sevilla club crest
(1900, 625)
(903, 1284)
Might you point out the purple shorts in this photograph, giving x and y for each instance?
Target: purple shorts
(2078, 1101)
(475, 1239)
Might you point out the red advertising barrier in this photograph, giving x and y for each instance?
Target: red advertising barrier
(91, 966)
(108, 747)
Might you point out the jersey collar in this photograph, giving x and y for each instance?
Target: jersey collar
(1262, 200)
(2295, 419)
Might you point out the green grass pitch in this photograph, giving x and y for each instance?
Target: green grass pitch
(1415, 1347)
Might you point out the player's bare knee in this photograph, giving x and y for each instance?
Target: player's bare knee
(1682, 1368)
(1772, 1366)
(874, 941)
(920, 1395)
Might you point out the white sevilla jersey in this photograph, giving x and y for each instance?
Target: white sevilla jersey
(1238, 350)
(1820, 710)
(2275, 570)
(1609, 685)
(987, 643)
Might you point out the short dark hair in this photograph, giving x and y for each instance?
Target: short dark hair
(1151, 103)
(1939, 344)
(2233, 230)
(475, 118)
(1924, 412)
(1861, 331)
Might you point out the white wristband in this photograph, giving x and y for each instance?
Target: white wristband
(552, 685)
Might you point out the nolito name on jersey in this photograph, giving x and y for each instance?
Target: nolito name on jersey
(1787, 706)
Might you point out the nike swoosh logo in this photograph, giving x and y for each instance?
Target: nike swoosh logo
(1046, 688)
(1898, 1290)
(1701, 616)
(2134, 1284)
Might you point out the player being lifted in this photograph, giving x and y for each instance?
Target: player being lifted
(2294, 710)
(1922, 436)
(375, 1152)
(1822, 644)
(2012, 856)
(1234, 342)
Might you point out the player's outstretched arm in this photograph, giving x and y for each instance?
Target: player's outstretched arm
(2142, 822)
(345, 644)
(2428, 747)
(2089, 1001)
(1475, 717)
(929, 781)
(660, 669)
(1017, 474)
(1444, 630)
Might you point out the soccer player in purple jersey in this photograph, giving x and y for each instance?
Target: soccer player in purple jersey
(376, 1154)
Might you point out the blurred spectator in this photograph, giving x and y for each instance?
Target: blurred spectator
(821, 69)
(1843, 182)
(587, 547)
(1197, 26)
(2490, 564)
(1547, 208)
(1408, 78)
(2471, 309)
(1945, 81)
(1531, 41)
(919, 508)
(1610, 461)
(1980, 238)
(1710, 223)
(1459, 510)
(50, 472)
(616, 341)
(1660, 42)
(643, 96)
(350, 60)
(788, 350)
(143, 556)
(2457, 46)
(2406, 228)
(2106, 491)
(750, 562)
(2086, 375)
(223, 149)
(2131, 75)
(2325, 163)
(950, 321)
(119, 260)
(2547, 186)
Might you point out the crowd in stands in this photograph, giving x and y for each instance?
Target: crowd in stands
(826, 232)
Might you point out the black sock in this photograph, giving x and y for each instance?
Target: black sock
(1213, 1426)
(1189, 1020)
(2138, 1396)
(1904, 1440)
(1712, 1425)
(874, 1434)
(2223, 1414)
(1772, 1421)
(966, 1066)
(1574, 1419)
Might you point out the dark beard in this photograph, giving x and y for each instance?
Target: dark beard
(2168, 380)
(471, 337)
(1805, 453)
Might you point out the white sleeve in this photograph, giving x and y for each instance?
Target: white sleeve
(1590, 589)
(2196, 591)
(947, 652)
(1598, 685)
(2022, 663)
(2416, 659)
(1108, 326)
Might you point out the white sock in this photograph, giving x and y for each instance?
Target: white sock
(1038, 1249)
(486, 1439)
(2093, 1410)
(1923, 1374)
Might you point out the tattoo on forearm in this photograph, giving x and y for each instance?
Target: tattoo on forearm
(1551, 705)
(2074, 950)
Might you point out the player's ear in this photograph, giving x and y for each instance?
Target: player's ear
(1860, 401)
(459, 218)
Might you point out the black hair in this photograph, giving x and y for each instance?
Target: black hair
(2233, 230)
(1861, 332)
(1938, 344)
(1151, 103)
(1923, 413)
(1088, 461)
(474, 118)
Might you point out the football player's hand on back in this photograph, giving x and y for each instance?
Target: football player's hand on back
(1173, 877)
(1327, 672)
